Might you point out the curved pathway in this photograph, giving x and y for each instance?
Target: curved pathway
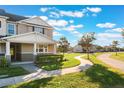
(112, 62)
(40, 73)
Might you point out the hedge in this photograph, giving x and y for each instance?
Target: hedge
(40, 58)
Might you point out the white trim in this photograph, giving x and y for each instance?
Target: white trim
(8, 48)
(4, 17)
(26, 38)
(54, 49)
(34, 49)
(25, 20)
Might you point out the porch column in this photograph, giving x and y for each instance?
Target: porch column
(34, 51)
(8, 54)
(54, 49)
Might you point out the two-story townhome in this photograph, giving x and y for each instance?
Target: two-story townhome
(22, 38)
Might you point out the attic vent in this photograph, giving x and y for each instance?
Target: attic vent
(2, 11)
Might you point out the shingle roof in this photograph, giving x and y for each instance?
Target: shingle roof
(11, 17)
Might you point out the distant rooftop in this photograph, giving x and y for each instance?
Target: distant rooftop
(11, 17)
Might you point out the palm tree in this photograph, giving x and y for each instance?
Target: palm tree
(86, 42)
(114, 45)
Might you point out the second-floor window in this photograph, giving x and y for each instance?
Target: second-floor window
(11, 28)
(38, 29)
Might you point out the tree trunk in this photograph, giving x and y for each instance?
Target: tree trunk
(88, 56)
(63, 53)
(116, 52)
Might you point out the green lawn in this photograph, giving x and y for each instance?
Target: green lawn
(12, 71)
(120, 56)
(71, 62)
(99, 75)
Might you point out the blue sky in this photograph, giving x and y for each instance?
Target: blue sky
(72, 21)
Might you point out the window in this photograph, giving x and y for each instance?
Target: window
(11, 29)
(0, 24)
(38, 29)
(42, 49)
(45, 48)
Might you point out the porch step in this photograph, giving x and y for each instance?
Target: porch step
(29, 67)
(21, 63)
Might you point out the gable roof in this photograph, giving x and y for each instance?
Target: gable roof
(11, 17)
(36, 20)
(32, 37)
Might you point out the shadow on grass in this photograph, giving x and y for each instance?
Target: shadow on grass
(37, 84)
(100, 74)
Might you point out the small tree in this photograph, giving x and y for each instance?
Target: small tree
(114, 46)
(86, 42)
(123, 32)
(63, 45)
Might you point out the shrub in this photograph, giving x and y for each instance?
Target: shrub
(48, 58)
(3, 62)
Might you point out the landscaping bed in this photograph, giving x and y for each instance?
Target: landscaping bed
(12, 71)
(99, 75)
(68, 61)
(120, 56)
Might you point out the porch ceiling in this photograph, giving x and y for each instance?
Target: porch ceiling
(32, 37)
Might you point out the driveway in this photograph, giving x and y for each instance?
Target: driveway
(112, 62)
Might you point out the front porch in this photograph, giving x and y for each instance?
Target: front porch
(26, 47)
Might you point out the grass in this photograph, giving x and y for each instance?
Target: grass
(99, 75)
(12, 71)
(71, 62)
(120, 56)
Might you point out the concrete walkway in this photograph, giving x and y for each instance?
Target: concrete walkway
(39, 74)
(30, 67)
(112, 62)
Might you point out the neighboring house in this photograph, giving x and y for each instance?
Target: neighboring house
(22, 38)
(77, 48)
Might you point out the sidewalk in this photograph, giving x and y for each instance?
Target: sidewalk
(112, 62)
(85, 64)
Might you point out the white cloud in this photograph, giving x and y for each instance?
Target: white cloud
(95, 9)
(109, 35)
(54, 14)
(59, 23)
(106, 25)
(118, 29)
(44, 9)
(94, 15)
(71, 21)
(55, 33)
(72, 13)
(73, 27)
(76, 33)
(45, 18)
(104, 39)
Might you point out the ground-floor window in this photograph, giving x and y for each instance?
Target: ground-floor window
(42, 49)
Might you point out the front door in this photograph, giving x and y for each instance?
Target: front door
(13, 52)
